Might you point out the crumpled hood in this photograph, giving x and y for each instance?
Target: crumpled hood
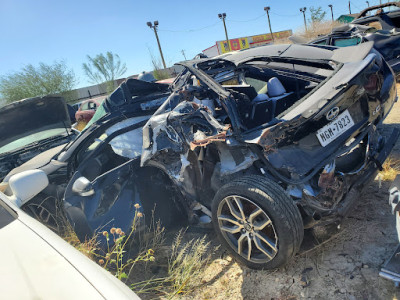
(172, 130)
(30, 116)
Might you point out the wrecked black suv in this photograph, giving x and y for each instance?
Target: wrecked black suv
(274, 140)
(268, 141)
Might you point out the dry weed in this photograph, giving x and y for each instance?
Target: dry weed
(88, 248)
(391, 168)
(317, 29)
(186, 262)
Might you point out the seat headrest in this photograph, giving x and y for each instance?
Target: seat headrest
(275, 87)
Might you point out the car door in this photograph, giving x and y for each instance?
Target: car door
(102, 193)
(105, 202)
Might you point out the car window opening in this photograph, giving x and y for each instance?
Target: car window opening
(262, 90)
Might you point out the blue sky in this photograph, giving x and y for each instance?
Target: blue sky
(34, 31)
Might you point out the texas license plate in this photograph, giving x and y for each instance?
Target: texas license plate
(334, 129)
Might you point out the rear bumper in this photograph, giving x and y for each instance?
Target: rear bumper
(369, 172)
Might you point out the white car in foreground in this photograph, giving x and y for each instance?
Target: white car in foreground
(36, 263)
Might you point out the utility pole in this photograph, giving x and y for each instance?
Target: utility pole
(158, 41)
(183, 53)
(303, 10)
(222, 17)
(331, 7)
(267, 8)
(349, 7)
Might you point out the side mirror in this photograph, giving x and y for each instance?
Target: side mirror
(26, 185)
(83, 187)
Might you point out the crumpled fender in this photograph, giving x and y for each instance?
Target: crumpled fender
(185, 127)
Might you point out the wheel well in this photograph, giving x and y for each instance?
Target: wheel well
(160, 196)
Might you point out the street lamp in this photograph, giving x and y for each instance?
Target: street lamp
(367, 3)
(222, 17)
(303, 10)
(267, 8)
(158, 41)
(331, 7)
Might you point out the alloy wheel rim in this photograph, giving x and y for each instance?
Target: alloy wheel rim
(247, 228)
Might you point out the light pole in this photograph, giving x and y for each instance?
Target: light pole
(303, 10)
(331, 7)
(183, 53)
(349, 7)
(367, 3)
(222, 17)
(158, 41)
(267, 8)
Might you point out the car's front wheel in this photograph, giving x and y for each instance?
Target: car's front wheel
(258, 222)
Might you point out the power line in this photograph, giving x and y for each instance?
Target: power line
(190, 30)
(294, 15)
(355, 6)
(212, 25)
(340, 11)
(245, 21)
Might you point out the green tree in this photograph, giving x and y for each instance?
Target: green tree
(104, 69)
(317, 14)
(41, 80)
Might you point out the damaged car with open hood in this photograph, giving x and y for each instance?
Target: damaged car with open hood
(268, 142)
(31, 126)
(382, 28)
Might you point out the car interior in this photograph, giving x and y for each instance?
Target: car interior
(263, 92)
(102, 161)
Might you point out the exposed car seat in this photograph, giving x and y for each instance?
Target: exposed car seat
(266, 106)
(275, 87)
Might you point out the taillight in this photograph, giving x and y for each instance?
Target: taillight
(374, 83)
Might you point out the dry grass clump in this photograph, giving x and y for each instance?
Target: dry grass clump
(186, 264)
(391, 168)
(127, 257)
(88, 248)
(316, 29)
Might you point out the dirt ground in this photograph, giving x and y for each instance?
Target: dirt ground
(346, 267)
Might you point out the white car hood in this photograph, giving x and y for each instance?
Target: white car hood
(31, 269)
(35, 263)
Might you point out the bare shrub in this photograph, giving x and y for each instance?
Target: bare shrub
(316, 29)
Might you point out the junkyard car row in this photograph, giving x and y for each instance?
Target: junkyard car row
(382, 28)
(271, 140)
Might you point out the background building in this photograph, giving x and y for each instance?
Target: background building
(222, 47)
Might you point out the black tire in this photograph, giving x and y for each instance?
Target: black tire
(255, 193)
